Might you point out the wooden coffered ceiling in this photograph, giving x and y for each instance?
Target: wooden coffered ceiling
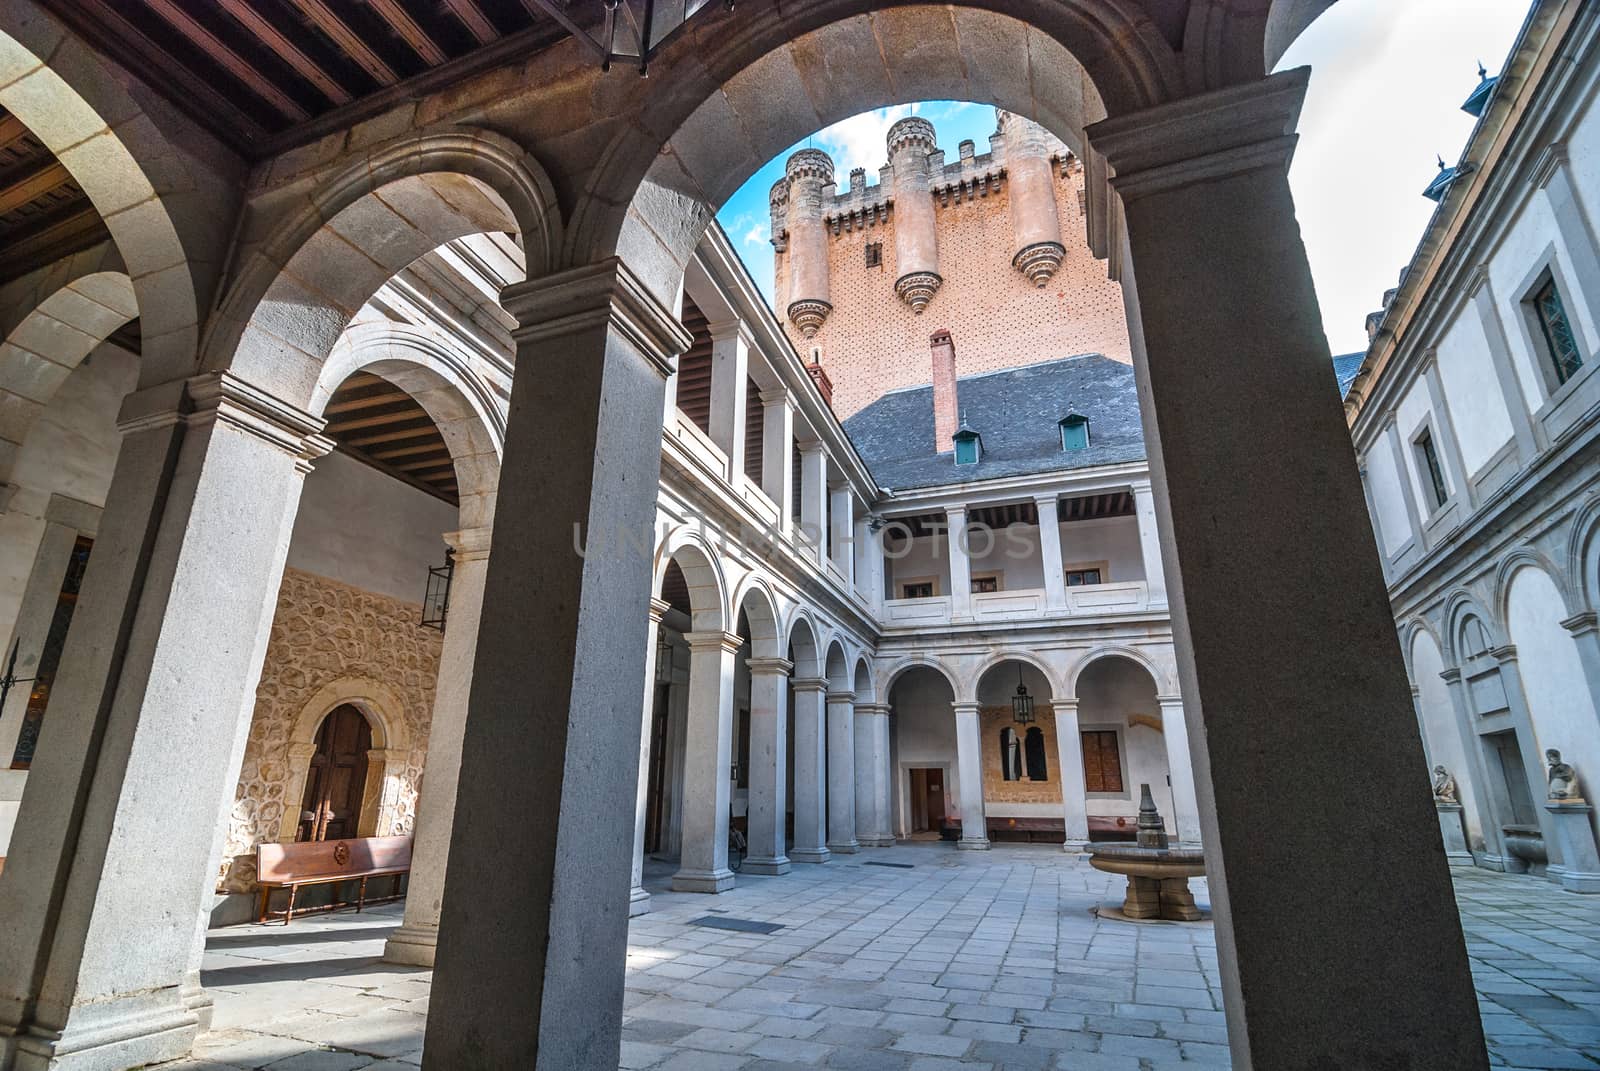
(44, 214)
(381, 425)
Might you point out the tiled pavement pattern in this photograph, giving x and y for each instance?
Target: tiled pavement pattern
(966, 960)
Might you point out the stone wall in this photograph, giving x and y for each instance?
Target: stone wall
(996, 789)
(330, 640)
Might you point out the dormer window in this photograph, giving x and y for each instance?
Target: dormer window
(969, 446)
(1074, 432)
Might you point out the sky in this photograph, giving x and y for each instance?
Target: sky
(1388, 79)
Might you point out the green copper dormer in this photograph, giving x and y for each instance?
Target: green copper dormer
(1479, 100)
(1074, 432)
(969, 445)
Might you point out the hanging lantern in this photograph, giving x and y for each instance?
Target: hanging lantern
(1022, 702)
(663, 659)
(436, 600)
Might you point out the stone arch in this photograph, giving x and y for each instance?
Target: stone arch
(865, 689)
(1163, 682)
(702, 568)
(1286, 20)
(1409, 633)
(754, 599)
(650, 200)
(300, 284)
(900, 668)
(70, 102)
(836, 667)
(1583, 553)
(1461, 607)
(1442, 737)
(999, 659)
(383, 708)
(1529, 558)
(805, 641)
(458, 402)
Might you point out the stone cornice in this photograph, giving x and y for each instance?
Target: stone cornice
(225, 398)
(841, 697)
(769, 667)
(1581, 623)
(658, 610)
(714, 640)
(809, 684)
(607, 293)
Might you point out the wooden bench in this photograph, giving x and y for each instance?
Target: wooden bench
(329, 862)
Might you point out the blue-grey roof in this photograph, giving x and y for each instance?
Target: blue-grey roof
(1345, 367)
(1017, 412)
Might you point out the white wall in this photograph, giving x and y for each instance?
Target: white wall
(1109, 691)
(363, 528)
(1477, 408)
(1114, 540)
(1441, 734)
(927, 556)
(924, 736)
(1387, 501)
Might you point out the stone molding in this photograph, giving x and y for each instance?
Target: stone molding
(1504, 654)
(917, 288)
(212, 397)
(809, 684)
(658, 610)
(769, 667)
(1451, 675)
(470, 544)
(714, 640)
(809, 314)
(841, 697)
(1547, 163)
(604, 294)
(1211, 135)
(1039, 262)
(81, 517)
(1582, 623)
(965, 708)
(872, 709)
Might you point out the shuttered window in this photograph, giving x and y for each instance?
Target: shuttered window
(1102, 761)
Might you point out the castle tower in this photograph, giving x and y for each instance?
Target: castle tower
(808, 177)
(916, 239)
(1035, 225)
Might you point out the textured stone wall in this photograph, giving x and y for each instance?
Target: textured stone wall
(324, 632)
(872, 342)
(996, 789)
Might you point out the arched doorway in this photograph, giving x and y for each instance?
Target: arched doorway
(1022, 770)
(336, 780)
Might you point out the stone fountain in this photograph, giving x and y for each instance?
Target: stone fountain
(1158, 874)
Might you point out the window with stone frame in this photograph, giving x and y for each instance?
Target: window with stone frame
(1077, 578)
(873, 254)
(920, 589)
(1033, 754)
(1010, 755)
(1561, 341)
(1432, 471)
(1102, 761)
(985, 582)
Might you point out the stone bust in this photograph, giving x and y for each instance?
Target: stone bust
(1563, 778)
(1444, 785)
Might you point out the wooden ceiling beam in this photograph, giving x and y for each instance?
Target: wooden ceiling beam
(371, 401)
(235, 64)
(323, 18)
(56, 238)
(395, 14)
(392, 436)
(407, 451)
(428, 464)
(381, 420)
(473, 18)
(35, 184)
(286, 50)
(12, 130)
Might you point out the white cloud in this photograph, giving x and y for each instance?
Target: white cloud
(861, 140)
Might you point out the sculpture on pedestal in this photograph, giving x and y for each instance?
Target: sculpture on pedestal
(1444, 785)
(1563, 778)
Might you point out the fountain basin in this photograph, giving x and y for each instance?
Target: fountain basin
(1158, 879)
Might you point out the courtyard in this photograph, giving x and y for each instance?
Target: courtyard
(918, 957)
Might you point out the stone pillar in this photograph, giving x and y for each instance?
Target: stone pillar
(960, 565)
(708, 764)
(814, 499)
(810, 794)
(1271, 620)
(1180, 770)
(119, 831)
(810, 176)
(1074, 785)
(1488, 802)
(969, 767)
(1448, 444)
(1031, 181)
(65, 520)
(528, 972)
(872, 552)
(841, 527)
(638, 898)
(777, 453)
(916, 235)
(1144, 506)
(1055, 570)
(1585, 629)
(414, 942)
(1533, 767)
(1403, 469)
(769, 745)
(1527, 435)
(730, 378)
(842, 773)
(861, 551)
(1553, 175)
(873, 777)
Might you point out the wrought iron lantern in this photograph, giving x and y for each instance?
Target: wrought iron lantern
(1022, 702)
(436, 601)
(663, 659)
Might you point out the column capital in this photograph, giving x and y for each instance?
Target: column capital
(845, 696)
(1581, 624)
(1140, 487)
(1047, 501)
(1064, 703)
(726, 330)
(1507, 653)
(964, 708)
(877, 710)
(1207, 136)
(809, 684)
(81, 517)
(300, 752)
(607, 293)
(952, 512)
(1451, 675)
(1550, 158)
(469, 544)
(769, 667)
(811, 447)
(223, 397)
(775, 396)
(714, 640)
(388, 754)
(1169, 701)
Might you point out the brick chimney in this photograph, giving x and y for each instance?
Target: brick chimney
(945, 411)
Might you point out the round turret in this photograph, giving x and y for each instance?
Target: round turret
(916, 241)
(808, 178)
(1035, 224)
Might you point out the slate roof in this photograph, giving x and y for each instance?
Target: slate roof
(1345, 368)
(1017, 411)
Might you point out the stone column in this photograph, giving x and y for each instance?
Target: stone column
(814, 500)
(65, 520)
(638, 898)
(119, 831)
(1488, 803)
(969, 767)
(810, 794)
(872, 552)
(1074, 785)
(840, 529)
(1031, 182)
(1585, 629)
(730, 378)
(769, 745)
(777, 453)
(1180, 770)
(1533, 767)
(916, 232)
(960, 564)
(861, 550)
(1055, 570)
(873, 777)
(842, 773)
(414, 942)
(528, 972)
(708, 763)
(1270, 619)
(1144, 506)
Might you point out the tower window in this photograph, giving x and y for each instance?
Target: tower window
(874, 254)
(1074, 432)
(1561, 342)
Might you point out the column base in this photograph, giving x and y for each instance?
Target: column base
(1578, 881)
(122, 1033)
(638, 902)
(809, 855)
(1075, 847)
(768, 867)
(975, 844)
(849, 847)
(411, 946)
(877, 840)
(702, 881)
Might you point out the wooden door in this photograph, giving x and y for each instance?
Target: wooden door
(936, 800)
(337, 780)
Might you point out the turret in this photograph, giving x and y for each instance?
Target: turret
(809, 178)
(916, 242)
(1035, 225)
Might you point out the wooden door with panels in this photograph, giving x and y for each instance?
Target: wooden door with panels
(337, 781)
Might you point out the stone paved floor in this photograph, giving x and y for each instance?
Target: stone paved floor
(963, 960)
